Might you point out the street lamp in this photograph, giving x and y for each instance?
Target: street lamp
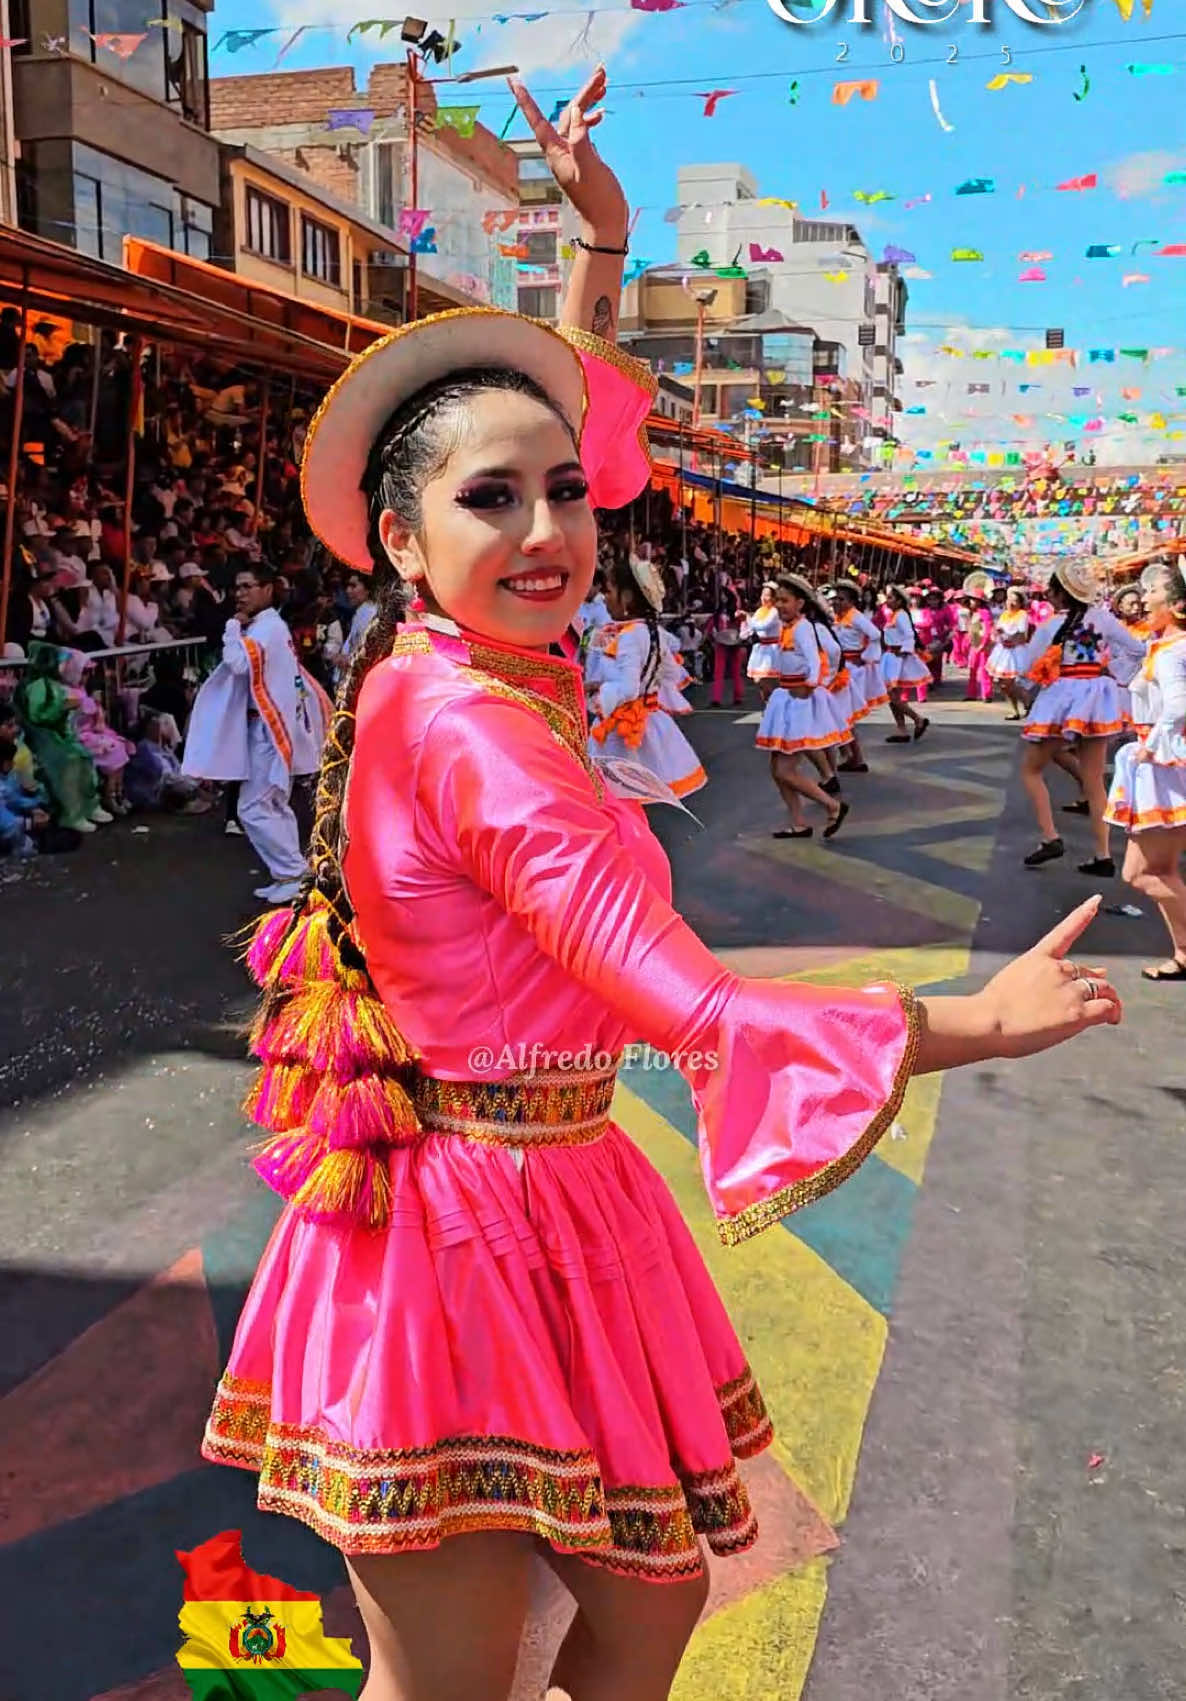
(704, 299)
(412, 31)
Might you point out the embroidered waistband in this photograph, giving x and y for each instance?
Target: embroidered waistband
(1080, 670)
(555, 1107)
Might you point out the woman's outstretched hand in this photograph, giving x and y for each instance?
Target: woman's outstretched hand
(1036, 1002)
(1040, 999)
(574, 162)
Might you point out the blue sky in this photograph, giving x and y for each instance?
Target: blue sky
(1130, 130)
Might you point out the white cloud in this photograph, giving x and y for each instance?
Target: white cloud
(1142, 175)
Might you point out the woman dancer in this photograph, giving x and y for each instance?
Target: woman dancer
(902, 668)
(1148, 796)
(933, 625)
(634, 673)
(860, 638)
(962, 608)
(481, 1331)
(799, 719)
(980, 685)
(843, 697)
(764, 627)
(1078, 700)
(1006, 659)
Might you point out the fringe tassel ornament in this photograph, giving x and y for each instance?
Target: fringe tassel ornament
(330, 1089)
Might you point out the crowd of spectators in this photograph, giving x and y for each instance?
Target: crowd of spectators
(86, 736)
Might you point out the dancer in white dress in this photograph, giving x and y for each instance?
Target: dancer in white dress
(1078, 700)
(860, 639)
(841, 698)
(902, 668)
(1007, 659)
(765, 628)
(1148, 797)
(629, 667)
(798, 719)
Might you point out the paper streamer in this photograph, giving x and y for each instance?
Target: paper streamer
(291, 43)
(1034, 275)
(865, 89)
(412, 221)
(1077, 185)
(350, 118)
(943, 124)
(759, 255)
(1135, 278)
(793, 95)
(1082, 94)
(1004, 78)
(459, 118)
(1152, 70)
(712, 98)
(1034, 256)
(123, 46)
(978, 186)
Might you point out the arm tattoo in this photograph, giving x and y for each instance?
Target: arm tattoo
(603, 316)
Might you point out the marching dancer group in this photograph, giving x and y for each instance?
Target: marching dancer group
(1077, 674)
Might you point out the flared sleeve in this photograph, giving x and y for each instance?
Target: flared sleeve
(615, 450)
(794, 1085)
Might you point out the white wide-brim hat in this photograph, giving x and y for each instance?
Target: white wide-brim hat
(345, 426)
(1081, 578)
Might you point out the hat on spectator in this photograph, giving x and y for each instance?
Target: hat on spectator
(190, 570)
(159, 574)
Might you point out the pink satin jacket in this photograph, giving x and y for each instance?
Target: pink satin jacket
(505, 898)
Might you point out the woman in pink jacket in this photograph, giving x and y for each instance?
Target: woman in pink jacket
(481, 1331)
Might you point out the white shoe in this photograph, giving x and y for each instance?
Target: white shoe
(101, 817)
(279, 892)
(86, 827)
(233, 830)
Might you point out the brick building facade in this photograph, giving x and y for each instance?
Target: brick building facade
(285, 114)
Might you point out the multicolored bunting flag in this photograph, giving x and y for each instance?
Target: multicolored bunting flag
(459, 118)
(412, 221)
(250, 1637)
(350, 118)
(123, 46)
(236, 40)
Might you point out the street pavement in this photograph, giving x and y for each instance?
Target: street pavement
(974, 1351)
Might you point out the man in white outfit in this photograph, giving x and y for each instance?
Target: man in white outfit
(260, 719)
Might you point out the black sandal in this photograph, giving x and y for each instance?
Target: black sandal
(921, 728)
(1082, 807)
(1102, 867)
(898, 738)
(1157, 972)
(831, 786)
(854, 767)
(1048, 851)
(794, 833)
(837, 821)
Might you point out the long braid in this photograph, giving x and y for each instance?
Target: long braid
(650, 671)
(338, 1082)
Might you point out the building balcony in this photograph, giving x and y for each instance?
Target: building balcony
(540, 218)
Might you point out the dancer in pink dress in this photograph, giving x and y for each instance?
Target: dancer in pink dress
(481, 1331)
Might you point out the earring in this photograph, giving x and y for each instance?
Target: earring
(416, 603)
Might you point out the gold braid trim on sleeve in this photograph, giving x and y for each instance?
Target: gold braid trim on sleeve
(766, 1212)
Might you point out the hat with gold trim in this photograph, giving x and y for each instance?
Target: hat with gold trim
(345, 426)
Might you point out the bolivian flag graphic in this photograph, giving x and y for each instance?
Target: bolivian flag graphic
(249, 1637)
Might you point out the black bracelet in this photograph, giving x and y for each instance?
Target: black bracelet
(592, 248)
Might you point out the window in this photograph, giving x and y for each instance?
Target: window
(87, 223)
(268, 227)
(193, 222)
(321, 255)
(541, 247)
(538, 302)
(757, 295)
(186, 72)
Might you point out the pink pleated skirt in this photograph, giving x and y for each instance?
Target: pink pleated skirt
(532, 1344)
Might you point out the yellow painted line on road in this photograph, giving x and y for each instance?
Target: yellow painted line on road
(914, 965)
(905, 890)
(814, 1343)
(760, 1648)
(972, 854)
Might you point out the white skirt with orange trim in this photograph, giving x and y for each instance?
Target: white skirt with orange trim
(872, 686)
(901, 669)
(1077, 708)
(763, 662)
(664, 750)
(844, 701)
(857, 706)
(792, 724)
(1004, 663)
(1146, 795)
